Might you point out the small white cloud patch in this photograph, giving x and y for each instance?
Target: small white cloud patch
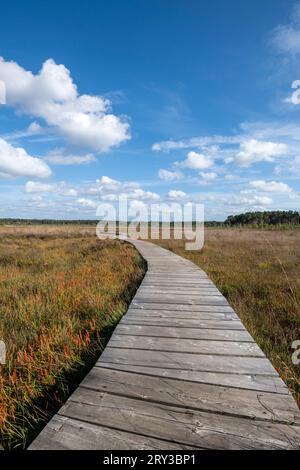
(15, 161)
(170, 175)
(197, 161)
(271, 186)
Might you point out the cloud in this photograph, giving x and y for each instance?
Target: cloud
(170, 175)
(69, 192)
(58, 157)
(142, 195)
(197, 161)
(51, 95)
(295, 165)
(37, 187)
(286, 38)
(60, 188)
(208, 177)
(176, 194)
(87, 203)
(253, 151)
(256, 141)
(271, 141)
(34, 128)
(108, 183)
(271, 186)
(15, 161)
(135, 205)
(109, 189)
(194, 142)
(253, 201)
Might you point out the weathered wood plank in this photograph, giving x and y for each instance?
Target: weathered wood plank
(205, 397)
(64, 433)
(153, 281)
(241, 381)
(183, 314)
(203, 291)
(186, 323)
(181, 308)
(190, 362)
(181, 426)
(182, 299)
(196, 276)
(189, 333)
(199, 281)
(186, 346)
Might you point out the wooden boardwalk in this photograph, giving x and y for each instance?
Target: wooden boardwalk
(180, 372)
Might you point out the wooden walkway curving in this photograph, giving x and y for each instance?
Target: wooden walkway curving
(180, 372)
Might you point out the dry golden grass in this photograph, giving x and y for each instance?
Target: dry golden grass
(61, 293)
(259, 273)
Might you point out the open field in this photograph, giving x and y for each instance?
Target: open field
(61, 293)
(258, 271)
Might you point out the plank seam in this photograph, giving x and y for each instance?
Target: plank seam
(253, 419)
(192, 339)
(187, 352)
(111, 364)
(197, 370)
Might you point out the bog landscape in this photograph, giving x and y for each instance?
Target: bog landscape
(149, 231)
(63, 291)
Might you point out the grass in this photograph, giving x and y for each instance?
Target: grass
(258, 272)
(61, 293)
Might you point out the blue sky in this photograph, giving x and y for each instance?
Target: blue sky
(164, 101)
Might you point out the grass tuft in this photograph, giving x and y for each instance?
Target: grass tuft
(61, 295)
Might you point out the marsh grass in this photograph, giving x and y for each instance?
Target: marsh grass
(258, 271)
(61, 294)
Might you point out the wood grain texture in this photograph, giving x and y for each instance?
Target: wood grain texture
(167, 422)
(179, 372)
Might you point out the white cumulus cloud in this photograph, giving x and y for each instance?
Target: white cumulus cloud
(271, 186)
(253, 151)
(197, 161)
(15, 161)
(51, 95)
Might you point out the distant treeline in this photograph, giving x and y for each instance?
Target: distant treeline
(212, 223)
(265, 218)
(256, 219)
(46, 222)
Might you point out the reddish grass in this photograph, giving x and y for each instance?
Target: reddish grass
(61, 293)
